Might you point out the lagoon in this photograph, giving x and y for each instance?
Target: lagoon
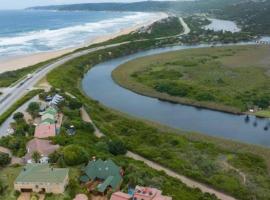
(99, 85)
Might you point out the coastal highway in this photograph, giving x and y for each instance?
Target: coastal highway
(21, 88)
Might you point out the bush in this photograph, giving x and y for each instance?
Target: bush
(18, 116)
(33, 109)
(53, 157)
(74, 155)
(4, 159)
(74, 104)
(117, 147)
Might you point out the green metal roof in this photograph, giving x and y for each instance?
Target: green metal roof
(42, 173)
(84, 178)
(103, 170)
(51, 111)
(102, 186)
(48, 121)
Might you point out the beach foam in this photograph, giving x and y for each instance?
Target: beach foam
(67, 37)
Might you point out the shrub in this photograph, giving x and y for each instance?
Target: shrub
(117, 147)
(36, 156)
(4, 159)
(33, 109)
(18, 116)
(74, 155)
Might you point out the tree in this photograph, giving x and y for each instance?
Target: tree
(33, 109)
(36, 156)
(74, 104)
(74, 155)
(54, 157)
(4, 159)
(18, 116)
(2, 187)
(117, 147)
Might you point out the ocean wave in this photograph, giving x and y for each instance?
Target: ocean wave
(46, 40)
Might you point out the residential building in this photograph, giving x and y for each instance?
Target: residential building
(42, 178)
(45, 130)
(106, 173)
(147, 193)
(43, 147)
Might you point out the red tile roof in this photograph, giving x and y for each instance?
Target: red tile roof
(43, 147)
(45, 131)
(120, 196)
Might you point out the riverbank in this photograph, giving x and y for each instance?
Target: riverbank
(195, 157)
(214, 73)
(20, 62)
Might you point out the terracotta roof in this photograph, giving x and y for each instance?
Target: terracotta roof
(120, 196)
(148, 193)
(81, 197)
(44, 147)
(45, 131)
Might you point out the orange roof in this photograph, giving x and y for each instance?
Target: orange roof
(120, 196)
(44, 147)
(45, 131)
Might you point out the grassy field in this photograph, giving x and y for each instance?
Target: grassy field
(203, 158)
(230, 78)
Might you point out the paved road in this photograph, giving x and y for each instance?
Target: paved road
(21, 88)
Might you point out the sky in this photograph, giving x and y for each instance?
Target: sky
(19, 4)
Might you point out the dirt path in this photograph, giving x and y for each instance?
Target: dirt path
(14, 160)
(189, 182)
(86, 118)
(242, 174)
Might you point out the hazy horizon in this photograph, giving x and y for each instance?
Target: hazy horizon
(14, 4)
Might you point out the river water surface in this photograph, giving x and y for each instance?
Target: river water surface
(99, 85)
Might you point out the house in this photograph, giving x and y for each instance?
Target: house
(56, 99)
(43, 147)
(120, 196)
(42, 178)
(45, 130)
(49, 116)
(106, 173)
(147, 193)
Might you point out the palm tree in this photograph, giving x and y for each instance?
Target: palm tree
(36, 156)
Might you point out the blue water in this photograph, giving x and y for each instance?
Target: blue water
(28, 31)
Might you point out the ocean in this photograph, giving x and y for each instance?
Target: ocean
(24, 32)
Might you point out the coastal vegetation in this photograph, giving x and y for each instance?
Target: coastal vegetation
(217, 78)
(203, 158)
(75, 152)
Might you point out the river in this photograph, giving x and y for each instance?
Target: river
(99, 85)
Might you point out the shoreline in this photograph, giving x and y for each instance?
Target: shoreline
(19, 62)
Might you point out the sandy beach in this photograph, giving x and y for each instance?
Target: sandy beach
(19, 62)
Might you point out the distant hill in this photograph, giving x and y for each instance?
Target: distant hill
(167, 6)
(252, 15)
